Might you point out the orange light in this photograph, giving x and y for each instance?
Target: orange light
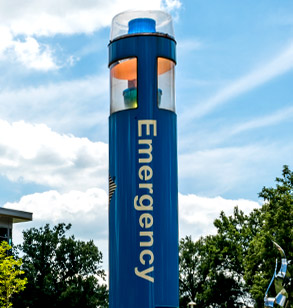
(127, 69)
(164, 65)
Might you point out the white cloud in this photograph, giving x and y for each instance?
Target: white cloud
(35, 153)
(87, 210)
(214, 137)
(28, 52)
(171, 4)
(197, 214)
(35, 17)
(32, 55)
(88, 213)
(65, 106)
(46, 18)
(281, 64)
(278, 116)
(223, 170)
(6, 40)
(215, 157)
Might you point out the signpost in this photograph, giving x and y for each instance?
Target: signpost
(143, 190)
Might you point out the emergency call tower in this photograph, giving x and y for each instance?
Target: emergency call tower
(143, 189)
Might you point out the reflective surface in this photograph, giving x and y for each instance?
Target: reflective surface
(279, 283)
(123, 83)
(129, 22)
(166, 84)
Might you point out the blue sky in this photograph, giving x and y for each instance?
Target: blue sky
(234, 80)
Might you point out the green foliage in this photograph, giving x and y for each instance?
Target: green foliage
(190, 269)
(234, 267)
(61, 271)
(11, 280)
(211, 269)
(277, 217)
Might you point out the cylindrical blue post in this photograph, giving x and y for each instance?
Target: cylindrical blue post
(143, 189)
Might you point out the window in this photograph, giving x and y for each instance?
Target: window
(166, 86)
(4, 234)
(123, 85)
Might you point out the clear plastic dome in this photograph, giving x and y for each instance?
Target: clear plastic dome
(131, 22)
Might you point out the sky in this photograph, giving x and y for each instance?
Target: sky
(234, 101)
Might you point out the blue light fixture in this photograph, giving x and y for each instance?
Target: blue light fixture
(142, 25)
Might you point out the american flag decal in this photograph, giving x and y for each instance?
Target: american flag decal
(112, 187)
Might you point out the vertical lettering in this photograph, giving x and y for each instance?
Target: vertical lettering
(148, 234)
(143, 275)
(148, 124)
(147, 151)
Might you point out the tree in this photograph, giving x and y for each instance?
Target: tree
(277, 217)
(61, 271)
(234, 267)
(212, 269)
(11, 280)
(191, 275)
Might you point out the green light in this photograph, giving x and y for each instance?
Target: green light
(130, 98)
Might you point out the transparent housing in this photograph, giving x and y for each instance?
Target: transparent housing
(123, 81)
(166, 86)
(131, 22)
(124, 85)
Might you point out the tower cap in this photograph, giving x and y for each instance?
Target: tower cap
(135, 22)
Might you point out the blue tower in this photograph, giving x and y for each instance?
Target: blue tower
(143, 189)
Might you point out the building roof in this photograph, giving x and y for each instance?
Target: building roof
(15, 216)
